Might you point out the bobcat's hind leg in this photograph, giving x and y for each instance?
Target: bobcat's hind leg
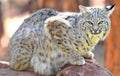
(20, 60)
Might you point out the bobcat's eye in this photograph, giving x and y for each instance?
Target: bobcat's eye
(90, 23)
(100, 22)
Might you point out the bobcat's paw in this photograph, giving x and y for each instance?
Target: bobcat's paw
(77, 61)
(89, 55)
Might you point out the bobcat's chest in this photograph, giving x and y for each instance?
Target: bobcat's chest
(89, 42)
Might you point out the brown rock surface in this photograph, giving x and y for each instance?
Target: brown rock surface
(91, 68)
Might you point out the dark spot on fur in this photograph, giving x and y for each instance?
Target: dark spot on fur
(76, 44)
(104, 34)
(64, 35)
(51, 59)
(87, 49)
(84, 48)
(25, 63)
(78, 41)
(79, 37)
(87, 35)
(41, 54)
(77, 48)
(18, 67)
(65, 41)
(23, 53)
(44, 61)
(59, 55)
(67, 49)
(87, 42)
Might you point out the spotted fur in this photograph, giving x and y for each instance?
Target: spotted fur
(48, 39)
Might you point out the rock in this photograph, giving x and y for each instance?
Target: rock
(91, 68)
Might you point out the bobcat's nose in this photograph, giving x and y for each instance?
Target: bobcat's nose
(95, 29)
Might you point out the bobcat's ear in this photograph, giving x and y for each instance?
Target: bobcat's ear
(83, 9)
(110, 9)
(56, 26)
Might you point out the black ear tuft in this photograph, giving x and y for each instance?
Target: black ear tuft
(109, 7)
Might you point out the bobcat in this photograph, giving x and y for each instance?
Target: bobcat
(48, 39)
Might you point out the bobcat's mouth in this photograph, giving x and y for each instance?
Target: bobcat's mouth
(95, 31)
(92, 31)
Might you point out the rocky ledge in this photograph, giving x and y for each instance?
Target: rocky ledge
(91, 68)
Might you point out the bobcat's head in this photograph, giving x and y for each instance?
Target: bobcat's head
(95, 21)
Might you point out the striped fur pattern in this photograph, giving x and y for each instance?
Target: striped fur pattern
(48, 39)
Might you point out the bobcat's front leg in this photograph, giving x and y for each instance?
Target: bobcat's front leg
(76, 59)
